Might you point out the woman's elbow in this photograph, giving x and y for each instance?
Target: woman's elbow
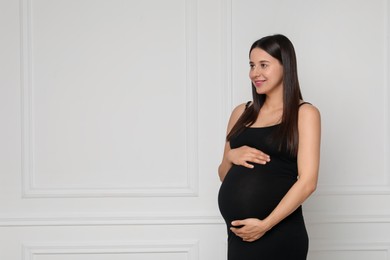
(310, 187)
(220, 174)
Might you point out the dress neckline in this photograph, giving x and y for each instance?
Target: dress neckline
(262, 127)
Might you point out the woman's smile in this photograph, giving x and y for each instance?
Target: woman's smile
(259, 83)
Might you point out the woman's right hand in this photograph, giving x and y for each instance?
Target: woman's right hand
(245, 155)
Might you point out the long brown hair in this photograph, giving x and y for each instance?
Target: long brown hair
(281, 48)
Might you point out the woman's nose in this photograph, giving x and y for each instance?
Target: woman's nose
(256, 72)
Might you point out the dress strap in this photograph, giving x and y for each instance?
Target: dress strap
(304, 103)
(247, 104)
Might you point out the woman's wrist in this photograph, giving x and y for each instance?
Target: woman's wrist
(268, 225)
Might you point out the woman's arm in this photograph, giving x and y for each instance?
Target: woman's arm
(226, 164)
(309, 126)
(241, 155)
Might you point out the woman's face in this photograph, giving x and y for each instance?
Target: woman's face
(266, 72)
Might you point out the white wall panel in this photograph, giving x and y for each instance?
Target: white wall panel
(120, 251)
(347, 251)
(102, 104)
(358, 254)
(174, 241)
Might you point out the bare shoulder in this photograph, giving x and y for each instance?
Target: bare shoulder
(238, 110)
(308, 114)
(236, 113)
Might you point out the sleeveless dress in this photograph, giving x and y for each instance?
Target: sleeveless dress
(254, 193)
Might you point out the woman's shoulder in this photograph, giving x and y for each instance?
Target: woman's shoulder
(307, 106)
(238, 111)
(308, 112)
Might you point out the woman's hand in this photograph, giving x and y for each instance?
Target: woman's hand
(251, 229)
(245, 154)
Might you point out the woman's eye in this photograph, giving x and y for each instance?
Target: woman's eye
(264, 66)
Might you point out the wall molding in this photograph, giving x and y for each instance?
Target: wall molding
(386, 95)
(102, 219)
(190, 248)
(346, 190)
(383, 189)
(347, 218)
(226, 61)
(31, 188)
(123, 219)
(329, 246)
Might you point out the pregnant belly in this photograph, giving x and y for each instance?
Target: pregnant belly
(246, 193)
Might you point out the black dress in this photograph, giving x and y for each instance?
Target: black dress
(254, 193)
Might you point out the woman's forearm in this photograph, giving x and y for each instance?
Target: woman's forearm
(298, 193)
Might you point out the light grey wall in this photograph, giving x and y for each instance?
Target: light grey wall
(114, 113)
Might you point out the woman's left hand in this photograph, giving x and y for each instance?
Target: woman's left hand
(251, 229)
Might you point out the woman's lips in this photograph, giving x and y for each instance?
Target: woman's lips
(258, 83)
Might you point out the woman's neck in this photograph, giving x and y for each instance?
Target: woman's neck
(273, 102)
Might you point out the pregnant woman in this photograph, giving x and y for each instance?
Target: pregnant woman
(271, 159)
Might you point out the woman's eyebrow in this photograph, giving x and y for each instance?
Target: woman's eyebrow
(260, 61)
